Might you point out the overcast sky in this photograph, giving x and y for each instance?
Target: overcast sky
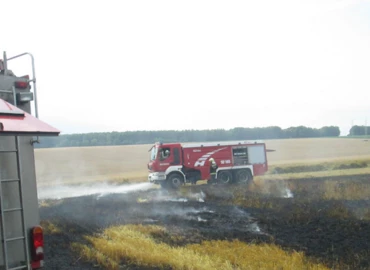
(149, 65)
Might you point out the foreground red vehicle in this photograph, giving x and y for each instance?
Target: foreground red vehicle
(22, 237)
(173, 164)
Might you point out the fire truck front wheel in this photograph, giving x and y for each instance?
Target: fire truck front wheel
(224, 177)
(175, 180)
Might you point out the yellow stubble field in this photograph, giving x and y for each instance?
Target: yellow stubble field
(128, 162)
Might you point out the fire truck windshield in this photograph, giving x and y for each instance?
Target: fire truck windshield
(153, 153)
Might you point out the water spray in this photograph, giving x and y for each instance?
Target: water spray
(100, 189)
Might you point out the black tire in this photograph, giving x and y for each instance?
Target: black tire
(243, 177)
(174, 181)
(224, 177)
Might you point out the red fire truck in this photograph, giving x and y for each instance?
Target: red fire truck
(22, 244)
(174, 164)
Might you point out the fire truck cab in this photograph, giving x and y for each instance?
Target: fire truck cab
(174, 164)
(20, 231)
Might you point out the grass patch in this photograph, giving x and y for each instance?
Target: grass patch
(312, 175)
(50, 228)
(134, 244)
(251, 256)
(318, 166)
(346, 191)
(300, 201)
(94, 255)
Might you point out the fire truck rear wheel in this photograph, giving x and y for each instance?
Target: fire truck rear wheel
(175, 181)
(243, 177)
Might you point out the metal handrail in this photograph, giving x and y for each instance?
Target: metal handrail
(33, 80)
(33, 76)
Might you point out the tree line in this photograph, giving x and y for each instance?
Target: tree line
(359, 131)
(168, 136)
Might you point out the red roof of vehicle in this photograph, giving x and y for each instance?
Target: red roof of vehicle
(14, 121)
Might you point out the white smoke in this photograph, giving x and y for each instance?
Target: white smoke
(201, 219)
(288, 193)
(186, 213)
(254, 227)
(277, 188)
(101, 189)
(176, 200)
(198, 196)
(165, 195)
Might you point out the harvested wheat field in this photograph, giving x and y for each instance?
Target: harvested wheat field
(311, 211)
(120, 163)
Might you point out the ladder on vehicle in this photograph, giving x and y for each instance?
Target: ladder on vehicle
(4, 211)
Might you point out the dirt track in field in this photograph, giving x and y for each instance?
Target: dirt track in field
(297, 223)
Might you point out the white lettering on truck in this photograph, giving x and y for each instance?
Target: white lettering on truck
(203, 159)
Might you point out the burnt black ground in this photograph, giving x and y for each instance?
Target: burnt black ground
(293, 223)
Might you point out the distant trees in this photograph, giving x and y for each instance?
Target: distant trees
(359, 130)
(147, 137)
